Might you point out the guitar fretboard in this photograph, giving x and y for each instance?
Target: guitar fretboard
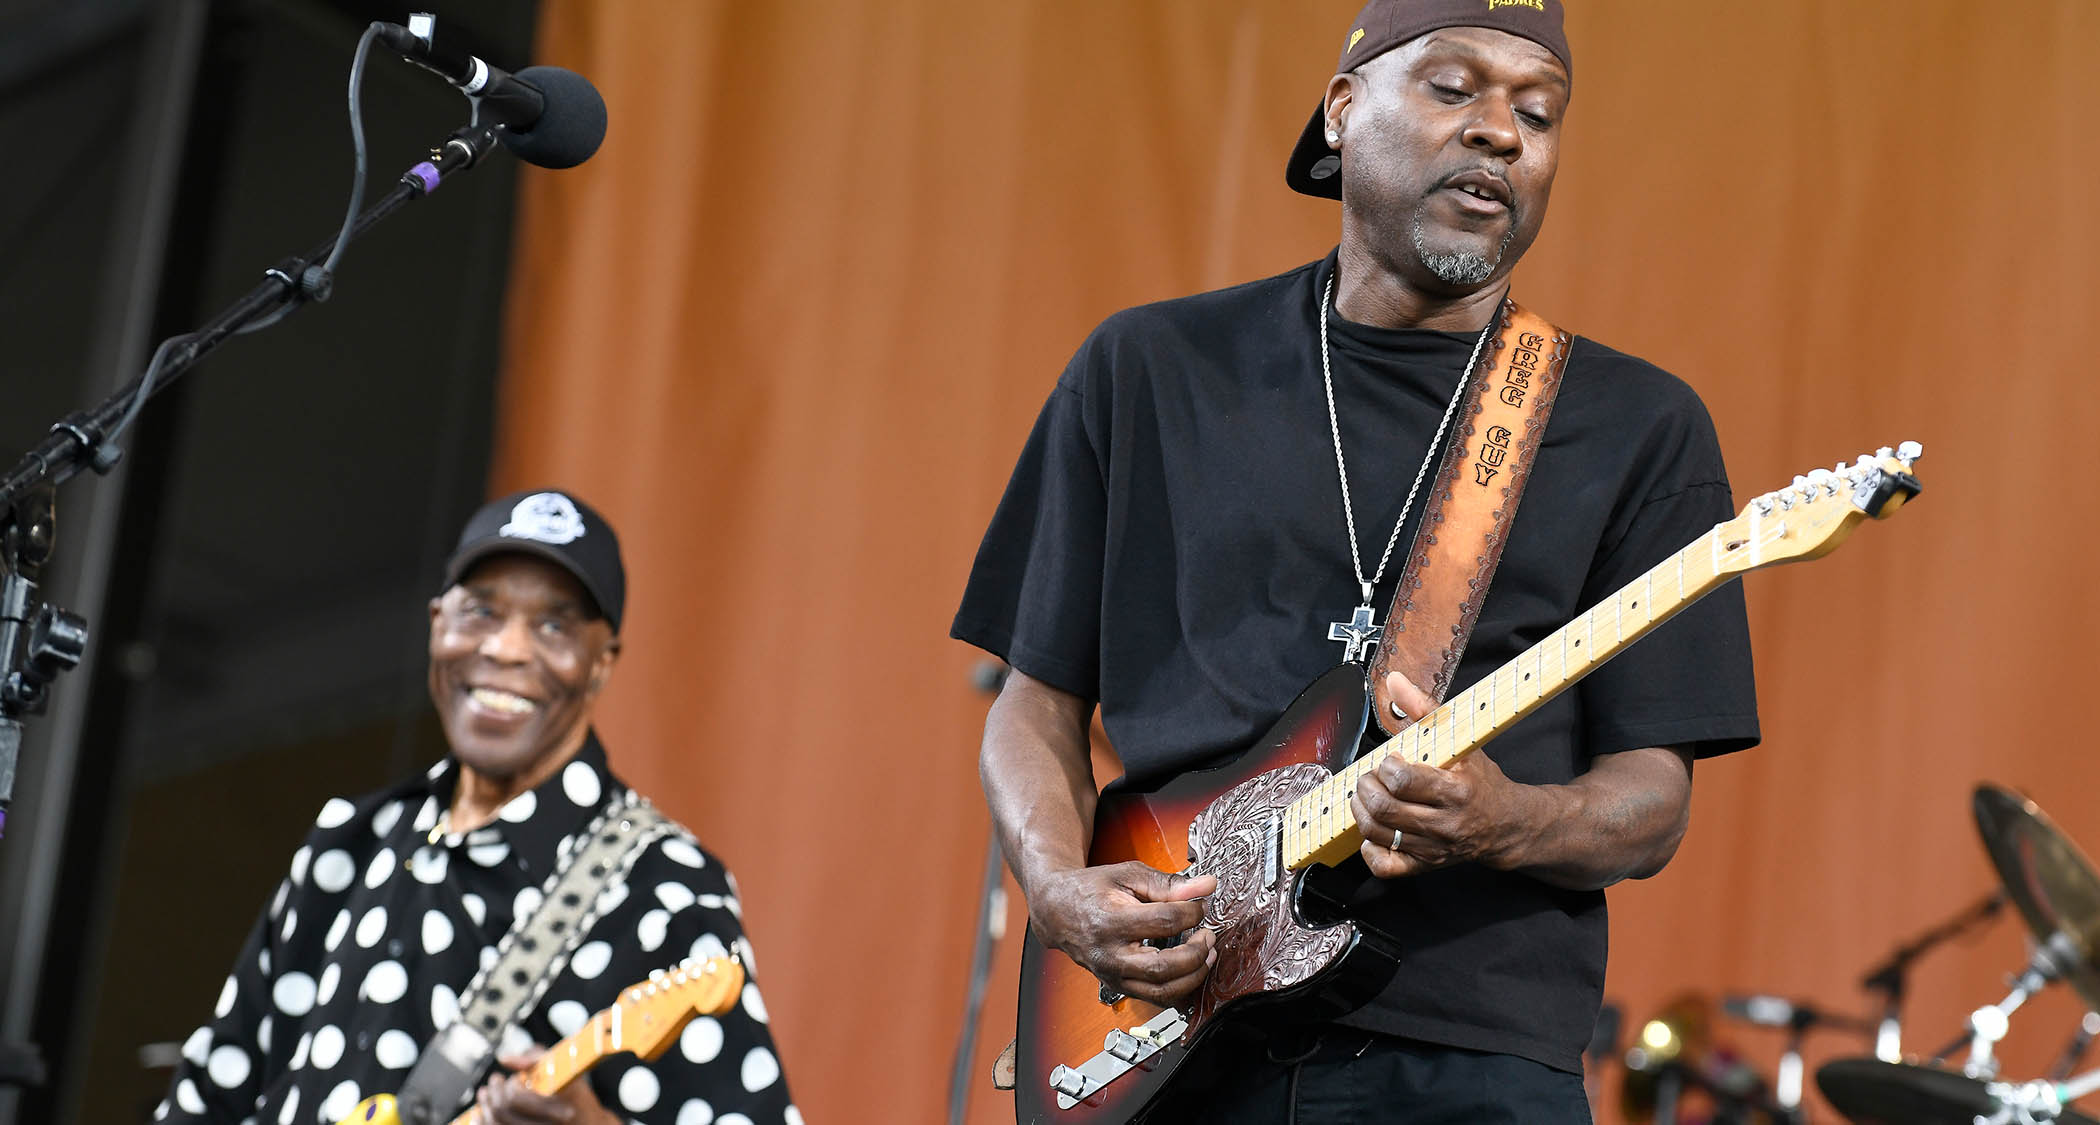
(567, 1060)
(1319, 826)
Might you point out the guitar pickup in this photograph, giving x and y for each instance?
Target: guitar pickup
(1121, 1052)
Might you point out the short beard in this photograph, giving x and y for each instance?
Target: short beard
(1458, 268)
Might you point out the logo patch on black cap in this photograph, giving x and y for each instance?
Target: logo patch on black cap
(546, 517)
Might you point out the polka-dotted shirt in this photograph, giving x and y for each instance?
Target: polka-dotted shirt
(382, 922)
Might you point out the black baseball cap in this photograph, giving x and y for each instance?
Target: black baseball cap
(1315, 168)
(551, 525)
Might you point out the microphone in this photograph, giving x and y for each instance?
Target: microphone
(550, 116)
(1778, 1011)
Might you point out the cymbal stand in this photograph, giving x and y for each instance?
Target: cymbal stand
(2035, 1103)
(1988, 1024)
(2074, 1051)
(1887, 978)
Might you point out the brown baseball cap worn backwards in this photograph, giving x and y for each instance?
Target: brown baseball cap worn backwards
(1315, 169)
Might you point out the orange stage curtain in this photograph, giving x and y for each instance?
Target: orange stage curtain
(790, 327)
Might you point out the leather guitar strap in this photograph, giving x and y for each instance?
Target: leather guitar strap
(1460, 539)
(529, 957)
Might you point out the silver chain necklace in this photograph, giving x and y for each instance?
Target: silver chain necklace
(1361, 631)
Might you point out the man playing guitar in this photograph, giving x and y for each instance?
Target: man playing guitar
(1179, 541)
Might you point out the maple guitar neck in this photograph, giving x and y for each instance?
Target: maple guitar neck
(1801, 523)
(567, 1060)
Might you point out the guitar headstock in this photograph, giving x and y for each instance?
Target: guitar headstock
(1809, 518)
(654, 1011)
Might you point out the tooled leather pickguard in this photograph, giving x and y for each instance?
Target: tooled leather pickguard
(1261, 947)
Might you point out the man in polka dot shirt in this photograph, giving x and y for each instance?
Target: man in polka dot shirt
(397, 899)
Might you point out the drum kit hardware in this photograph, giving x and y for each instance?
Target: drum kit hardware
(2056, 892)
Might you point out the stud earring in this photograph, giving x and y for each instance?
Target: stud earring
(1334, 136)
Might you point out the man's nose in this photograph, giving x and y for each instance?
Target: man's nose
(511, 644)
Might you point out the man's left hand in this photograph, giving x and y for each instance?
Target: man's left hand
(506, 1100)
(1469, 812)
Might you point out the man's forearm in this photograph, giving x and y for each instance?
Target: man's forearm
(1621, 820)
(1038, 777)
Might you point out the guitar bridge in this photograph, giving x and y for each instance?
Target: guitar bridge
(1121, 1052)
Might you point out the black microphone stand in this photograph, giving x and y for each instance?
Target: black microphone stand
(1887, 977)
(39, 641)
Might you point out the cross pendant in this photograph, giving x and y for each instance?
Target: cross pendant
(1358, 633)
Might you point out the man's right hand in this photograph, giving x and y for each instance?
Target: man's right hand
(1102, 917)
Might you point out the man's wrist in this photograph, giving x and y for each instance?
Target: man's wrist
(1535, 811)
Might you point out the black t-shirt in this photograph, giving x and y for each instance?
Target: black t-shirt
(1172, 546)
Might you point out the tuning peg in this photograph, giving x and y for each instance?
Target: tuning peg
(1884, 452)
(1909, 452)
(1763, 504)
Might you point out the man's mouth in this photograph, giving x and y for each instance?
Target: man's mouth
(1482, 192)
(499, 702)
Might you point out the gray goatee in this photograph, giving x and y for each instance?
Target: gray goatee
(1458, 267)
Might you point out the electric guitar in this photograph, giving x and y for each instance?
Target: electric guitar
(1090, 1057)
(644, 1020)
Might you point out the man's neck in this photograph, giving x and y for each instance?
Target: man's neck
(479, 795)
(1368, 292)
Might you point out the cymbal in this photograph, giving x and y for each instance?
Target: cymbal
(1872, 1092)
(2046, 876)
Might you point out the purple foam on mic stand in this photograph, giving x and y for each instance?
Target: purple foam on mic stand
(427, 173)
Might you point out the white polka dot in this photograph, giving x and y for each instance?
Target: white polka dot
(528, 900)
(711, 902)
(294, 994)
(396, 1050)
(262, 1034)
(291, 1107)
(707, 946)
(733, 1119)
(747, 955)
(340, 1102)
(380, 869)
(429, 864)
(761, 1069)
(277, 903)
(567, 1016)
(384, 820)
(485, 836)
(437, 932)
(385, 983)
(678, 851)
(226, 995)
(581, 784)
(791, 1116)
(476, 909)
(591, 960)
(336, 813)
(515, 1041)
(612, 898)
(444, 1007)
(228, 1066)
(695, 1112)
(520, 808)
(488, 855)
(333, 870)
(427, 816)
(262, 961)
(300, 860)
(651, 930)
(197, 1046)
(300, 1052)
(336, 930)
(284, 932)
(328, 1047)
(488, 956)
(701, 1041)
(674, 896)
(639, 1090)
(331, 978)
(371, 927)
(187, 1097)
(753, 1004)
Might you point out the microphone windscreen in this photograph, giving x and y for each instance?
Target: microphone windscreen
(571, 125)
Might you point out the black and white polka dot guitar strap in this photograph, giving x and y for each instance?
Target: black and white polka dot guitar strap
(529, 957)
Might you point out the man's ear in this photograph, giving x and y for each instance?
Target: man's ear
(1341, 95)
(601, 669)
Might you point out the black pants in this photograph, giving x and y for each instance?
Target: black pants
(1350, 1077)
